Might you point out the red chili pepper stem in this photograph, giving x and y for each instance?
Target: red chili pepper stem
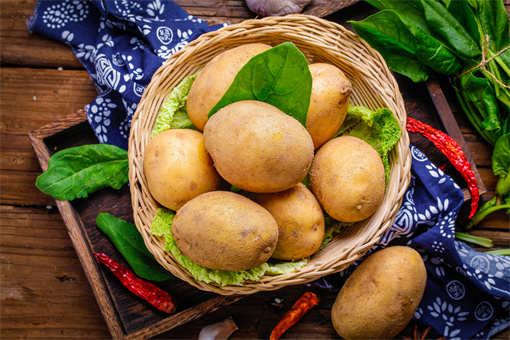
(300, 307)
(453, 152)
(143, 289)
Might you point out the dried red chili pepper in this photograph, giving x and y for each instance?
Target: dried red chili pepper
(453, 152)
(144, 289)
(300, 307)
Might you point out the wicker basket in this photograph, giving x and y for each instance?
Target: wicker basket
(320, 41)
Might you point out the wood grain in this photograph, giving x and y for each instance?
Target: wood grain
(44, 291)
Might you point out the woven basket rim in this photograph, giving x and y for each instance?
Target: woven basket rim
(373, 86)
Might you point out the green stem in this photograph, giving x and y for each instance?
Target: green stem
(503, 185)
(482, 213)
(504, 252)
(481, 241)
(473, 117)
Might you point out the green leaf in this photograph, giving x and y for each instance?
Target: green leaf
(386, 32)
(78, 171)
(174, 114)
(466, 17)
(128, 241)
(444, 26)
(481, 94)
(279, 76)
(411, 11)
(501, 156)
(378, 128)
(494, 22)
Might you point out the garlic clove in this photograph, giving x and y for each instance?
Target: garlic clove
(268, 8)
(218, 331)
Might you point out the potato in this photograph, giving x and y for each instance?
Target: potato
(178, 168)
(379, 299)
(215, 78)
(347, 177)
(226, 231)
(329, 101)
(257, 147)
(300, 221)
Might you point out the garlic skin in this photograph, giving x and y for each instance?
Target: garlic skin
(218, 331)
(268, 8)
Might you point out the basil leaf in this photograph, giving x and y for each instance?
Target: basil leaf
(279, 76)
(78, 171)
(385, 32)
(130, 244)
(445, 27)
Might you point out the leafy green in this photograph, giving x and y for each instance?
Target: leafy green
(161, 226)
(174, 114)
(78, 171)
(418, 36)
(279, 76)
(501, 164)
(390, 36)
(378, 128)
(446, 27)
(481, 241)
(128, 241)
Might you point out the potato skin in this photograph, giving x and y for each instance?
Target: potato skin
(178, 168)
(300, 221)
(347, 177)
(257, 147)
(226, 231)
(215, 78)
(329, 101)
(379, 299)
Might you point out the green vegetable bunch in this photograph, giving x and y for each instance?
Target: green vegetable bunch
(467, 40)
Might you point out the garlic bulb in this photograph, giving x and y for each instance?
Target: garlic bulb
(267, 8)
(218, 331)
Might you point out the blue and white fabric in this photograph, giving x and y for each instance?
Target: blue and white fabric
(467, 294)
(122, 43)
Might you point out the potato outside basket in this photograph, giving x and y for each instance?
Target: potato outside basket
(320, 41)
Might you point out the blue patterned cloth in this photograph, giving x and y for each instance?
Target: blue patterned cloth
(122, 43)
(467, 295)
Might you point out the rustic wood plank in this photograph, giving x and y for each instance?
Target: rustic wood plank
(41, 276)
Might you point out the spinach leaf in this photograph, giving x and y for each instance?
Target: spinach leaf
(466, 17)
(444, 26)
(279, 76)
(397, 38)
(385, 32)
(501, 156)
(130, 244)
(411, 11)
(494, 22)
(479, 92)
(78, 171)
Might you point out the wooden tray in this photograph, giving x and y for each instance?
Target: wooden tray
(129, 317)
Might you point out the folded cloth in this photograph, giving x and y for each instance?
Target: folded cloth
(467, 294)
(122, 44)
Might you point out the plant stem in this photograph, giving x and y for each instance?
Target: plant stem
(481, 241)
(504, 252)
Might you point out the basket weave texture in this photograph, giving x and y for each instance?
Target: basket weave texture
(320, 41)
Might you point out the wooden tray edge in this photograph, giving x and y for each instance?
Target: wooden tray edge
(452, 129)
(90, 266)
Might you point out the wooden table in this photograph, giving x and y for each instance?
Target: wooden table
(44, 292)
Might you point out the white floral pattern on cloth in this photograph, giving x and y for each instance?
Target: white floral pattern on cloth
(468, 292)
(121, 44)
